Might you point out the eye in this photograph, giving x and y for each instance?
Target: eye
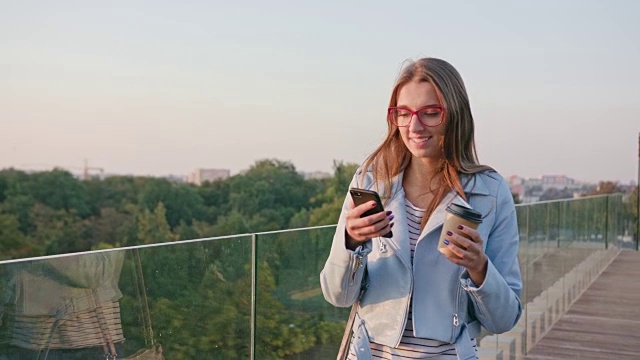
(403, 113)
(430, 112)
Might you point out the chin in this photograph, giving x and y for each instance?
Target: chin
(428, 159)
(426, 154)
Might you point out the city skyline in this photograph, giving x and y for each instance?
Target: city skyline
(159, 89)
(189, 176)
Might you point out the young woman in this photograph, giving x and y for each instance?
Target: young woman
(414, 301)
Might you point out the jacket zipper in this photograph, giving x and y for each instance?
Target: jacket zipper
(397, 252)
(456, 321)
(406, 310)
(354, 270)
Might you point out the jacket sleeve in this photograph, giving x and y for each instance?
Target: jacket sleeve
(497, 301)
(343, 272)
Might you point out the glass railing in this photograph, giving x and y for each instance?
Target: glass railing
(564, 245)
(258, 295)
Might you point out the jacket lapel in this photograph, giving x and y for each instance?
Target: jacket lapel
(437, 218)
(472, 185)
(400, 238)
(397, 204)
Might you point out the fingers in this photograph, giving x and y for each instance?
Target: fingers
(466, 250)
(378, 229)
(368, 227)
(375, 225)
(471, 233)
(361, 209)
(472, 260)
(461, 246)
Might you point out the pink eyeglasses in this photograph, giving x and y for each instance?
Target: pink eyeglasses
(430, 116)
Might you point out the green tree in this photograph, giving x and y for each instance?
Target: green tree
(516, 198)
(20, 206)
(556, 194)
(152, 226)
(606, 187)
(111, 226)
(59, 231)
(182, 202)
(4, 187)
(114, 192)
(269, 184)
(59, 190)
(333, 197)
(13, 243)
(215, 197)
(233, 223)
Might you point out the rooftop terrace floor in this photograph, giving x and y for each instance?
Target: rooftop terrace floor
(604, 323)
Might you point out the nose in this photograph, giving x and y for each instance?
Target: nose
(415, 125)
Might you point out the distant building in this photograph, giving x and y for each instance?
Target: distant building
(175, 178)
(200, 176)
(315, 175)
(557, 182)
(530, 190)
(516, 184)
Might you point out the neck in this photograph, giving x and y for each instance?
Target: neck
(422, 171)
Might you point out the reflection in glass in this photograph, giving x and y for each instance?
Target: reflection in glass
(64, 307)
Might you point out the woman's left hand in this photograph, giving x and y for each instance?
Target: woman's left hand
(469, 253)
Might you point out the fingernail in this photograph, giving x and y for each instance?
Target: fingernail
(373, 204)
(389, 212)
(449, 233)
(391, 217)
(446, 242)
(390, 226)
(460, 227)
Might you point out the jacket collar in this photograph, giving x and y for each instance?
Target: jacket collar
(471, 185)
(437, 217)
(474, 184)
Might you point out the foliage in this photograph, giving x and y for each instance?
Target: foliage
(198, 293)
(333, 197)
(516, 198)
(606, 187)
(52, 212)
(556, 194)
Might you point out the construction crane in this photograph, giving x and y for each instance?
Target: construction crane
(85, 172)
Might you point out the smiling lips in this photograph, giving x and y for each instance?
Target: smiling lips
(421, 141)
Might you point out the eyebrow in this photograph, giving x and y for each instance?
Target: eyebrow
(407, 107)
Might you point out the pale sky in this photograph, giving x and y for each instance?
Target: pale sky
(163, 87)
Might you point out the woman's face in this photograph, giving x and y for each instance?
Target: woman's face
(422, 141)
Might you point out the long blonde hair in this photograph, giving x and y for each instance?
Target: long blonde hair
(458, 146)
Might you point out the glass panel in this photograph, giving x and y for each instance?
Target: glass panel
(624, 223)
(198, 295)
(294, 321)
(199, 292)
(555, 238)
(522, 213)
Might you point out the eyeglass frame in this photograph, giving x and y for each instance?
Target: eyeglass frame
(415, 113)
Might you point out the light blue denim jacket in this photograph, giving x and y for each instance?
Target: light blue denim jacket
(447, 305)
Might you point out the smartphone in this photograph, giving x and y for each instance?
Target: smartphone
(361, 196)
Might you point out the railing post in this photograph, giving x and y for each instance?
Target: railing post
(559, 222)
(638, 199)
(547, 239)
(254, 291)
(606, 223)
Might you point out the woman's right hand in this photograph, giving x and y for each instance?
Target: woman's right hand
(359, 230)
